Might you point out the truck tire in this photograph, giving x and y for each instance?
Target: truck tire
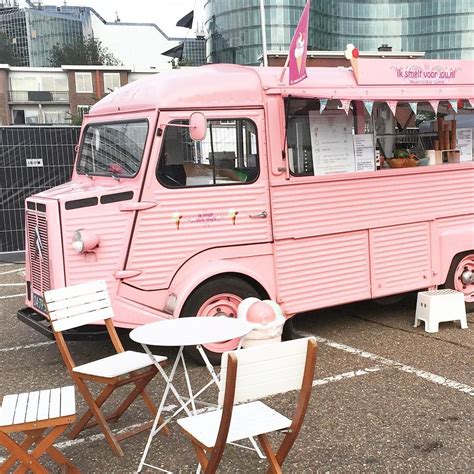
(462, 264)
(217, 297)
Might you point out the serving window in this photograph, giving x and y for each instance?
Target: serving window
(326, 137)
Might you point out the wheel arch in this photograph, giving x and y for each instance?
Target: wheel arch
(187, 283)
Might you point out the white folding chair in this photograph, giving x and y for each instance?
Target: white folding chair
(88, 303)
(251, 374)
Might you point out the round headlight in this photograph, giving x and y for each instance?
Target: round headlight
(83, 241)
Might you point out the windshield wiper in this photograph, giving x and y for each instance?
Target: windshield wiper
(82, 170)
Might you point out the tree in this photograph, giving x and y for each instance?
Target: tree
(88, 52)
(7, 53)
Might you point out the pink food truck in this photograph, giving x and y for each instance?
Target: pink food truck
(196, 188)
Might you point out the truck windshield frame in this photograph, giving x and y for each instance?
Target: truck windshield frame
(114, 149)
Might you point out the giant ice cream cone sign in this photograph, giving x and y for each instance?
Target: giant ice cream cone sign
(299, 48)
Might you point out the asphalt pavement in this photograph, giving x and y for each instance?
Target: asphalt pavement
(387, 397)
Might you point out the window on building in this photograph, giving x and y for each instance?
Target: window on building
(228, 155)
(83, 82)
(111, 81)
(83, 109)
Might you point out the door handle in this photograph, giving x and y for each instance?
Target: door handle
(261, 215)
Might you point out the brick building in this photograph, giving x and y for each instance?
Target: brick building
(57, 95)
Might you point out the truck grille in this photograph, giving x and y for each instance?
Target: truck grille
(37, 235)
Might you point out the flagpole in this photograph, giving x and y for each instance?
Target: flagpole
(264, 32)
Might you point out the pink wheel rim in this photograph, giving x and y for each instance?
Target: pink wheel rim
(466, 264)
(223, 304)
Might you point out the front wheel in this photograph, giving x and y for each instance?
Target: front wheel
(461, 277)
(219, 297)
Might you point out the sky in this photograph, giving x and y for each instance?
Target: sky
(165, 13)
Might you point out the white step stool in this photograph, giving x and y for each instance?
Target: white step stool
(437, 306)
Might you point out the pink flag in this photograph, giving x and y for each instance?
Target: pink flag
(299, 48)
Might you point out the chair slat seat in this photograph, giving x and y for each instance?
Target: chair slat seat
(30, 407)
(248, 420)
(118, 364)
(42, 416)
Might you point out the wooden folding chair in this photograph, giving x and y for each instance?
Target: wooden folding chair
(87, 303)
(34, 414)
(251, 374)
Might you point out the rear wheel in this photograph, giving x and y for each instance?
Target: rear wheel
(461, 277)
(219, 297)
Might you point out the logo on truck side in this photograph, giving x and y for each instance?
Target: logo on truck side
(38, 244)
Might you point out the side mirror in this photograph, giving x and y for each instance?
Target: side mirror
(197, 126)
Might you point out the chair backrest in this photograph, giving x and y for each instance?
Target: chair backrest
(78, 305)
(269, 369)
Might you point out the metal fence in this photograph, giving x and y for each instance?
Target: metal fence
(32, 159)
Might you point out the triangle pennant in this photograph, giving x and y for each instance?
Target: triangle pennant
(346, 103)
(454, 105)
(414, 107)
(369, 105)
(393, 106)
(434, 104)
(322, 105)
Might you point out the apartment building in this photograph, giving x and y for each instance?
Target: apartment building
(53, 96)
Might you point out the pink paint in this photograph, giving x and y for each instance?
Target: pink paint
(306, 242)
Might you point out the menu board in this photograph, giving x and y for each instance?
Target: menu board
(332, 143)
(364, 152)
(464, 143)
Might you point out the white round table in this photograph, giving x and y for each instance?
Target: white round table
(191, 331)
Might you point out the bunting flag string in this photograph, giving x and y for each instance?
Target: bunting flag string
(393, 106)
(414, 107)
(434, 104)
(369, 106)
(345, 105)
(322, 105)
(454, 105)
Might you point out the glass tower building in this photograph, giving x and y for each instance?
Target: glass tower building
(34, 31)
(234, 30)
(443, 29)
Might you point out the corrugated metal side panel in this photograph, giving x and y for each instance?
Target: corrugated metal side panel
(112, 227)
(400, 258)
(160, 246)
(322, 271)
(329, 207)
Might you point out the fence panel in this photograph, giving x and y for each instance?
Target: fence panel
(32, 159)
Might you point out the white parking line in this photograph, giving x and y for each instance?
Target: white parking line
(98, 436)
(12, 271)
(11, 296)
(434, 378)
(12, 284)
(347, 375)
(28, 346)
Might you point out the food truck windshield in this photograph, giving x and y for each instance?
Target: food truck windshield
(113, 149)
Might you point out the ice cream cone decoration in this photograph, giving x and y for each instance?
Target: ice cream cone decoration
(299, 50)
(176, 218)
(232, 213)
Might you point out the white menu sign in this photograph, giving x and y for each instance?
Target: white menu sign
(464, 143)
(364, 152)
(331, 143)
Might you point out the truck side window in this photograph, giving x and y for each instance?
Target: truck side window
(228, 155)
